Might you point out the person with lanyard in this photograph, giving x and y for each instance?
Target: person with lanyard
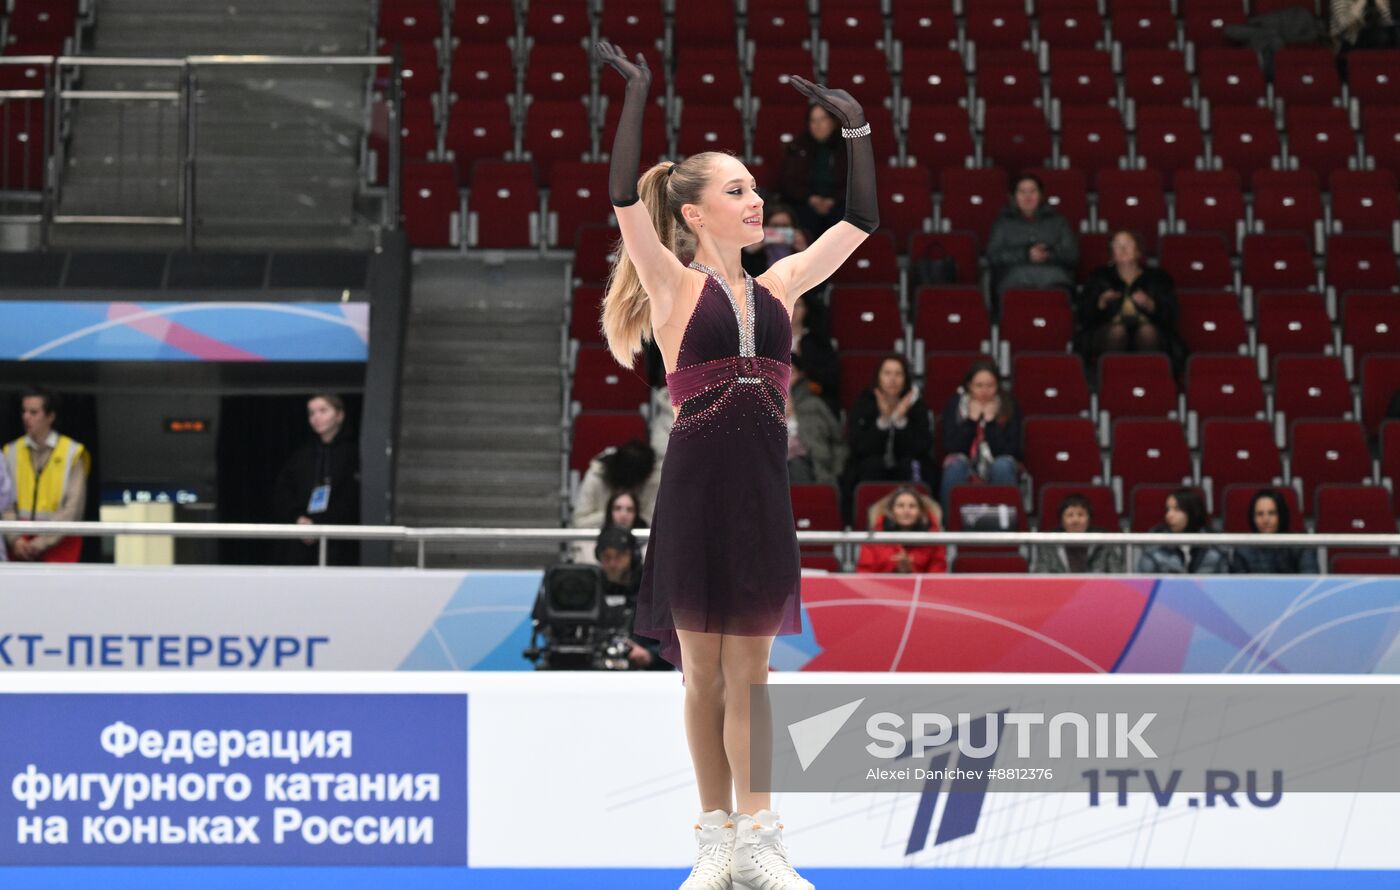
(49, 471)
(320, 485)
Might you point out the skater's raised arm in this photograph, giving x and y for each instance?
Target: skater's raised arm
(800, 272)
(660, 272)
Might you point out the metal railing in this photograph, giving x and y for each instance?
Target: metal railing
(38, 123)
(424, 536)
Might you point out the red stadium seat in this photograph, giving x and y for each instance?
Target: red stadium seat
(1061, 449)
(1380, 381)
(1364, 200)
(503, 195)
(1245, 140)
(601, 384)
(1136, 386)
(1380, 130)
(708, 75)
(1095, 249)
(1204, 24)
(1197, 261)
(1320, 139)
(851, 23)
(419, 73)
(595, 252)
(997, 24)
(1287, 208)
(1390, 457)
(1007, 77)
(483, 22)
(1311, 386)
(1143, 25)
(816, 507)
(1146, 450)
(705, 128)
(867, 493)
(557, 132)
(944, 373)
(960, 248)
(1067, 191)
(1293, 321)
(1345, 564)
(975, 494)
(1231, 78)
(1016, 137)
(906, 201)
(777, 126)
(22, 127)
(873, 262)
(934, 77)
(972, 199)
(557, 22)
(695, 24)
(1223, 386)
(1147, 504)
(862, 71)
(924, 26)
(857, 371)
(1092, 139)
(940, 137)
(1306, 75)
(1370, 323)
(578, 194)
(1328, 451)
(559, 72)
(1237, 498)
(1211, 321)
(594, 431)
(779, 23)
(399, 23)
(431, 204)
(1361, 262)
(1169, 139)
(1083, 77)
(482, 71)
(1210, 201)
(1036, 320)
(1050, 383)
(1103, 511)
(1134, 200)
(1353, 510)
(951, 319)
(1278, 262)
(1070, 24)
(866, 318)
(632, 23)
(417, 131)
(1371, 78)
(1238, 452)
(1156, 78)
(990, 564)
(585, 315)
(772, 63)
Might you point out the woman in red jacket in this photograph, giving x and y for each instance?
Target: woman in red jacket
(905, 509)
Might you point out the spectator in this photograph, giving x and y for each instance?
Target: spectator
(630, 467)
(781, 237)
(981, 432)
(1268, 515)
(891, 433)
(816, 450)
(1076, 516)
(814, 174)
(49, 471)
(1126, 306)
(903, 510)
(1032, 245)
(320, 485)
(621, 513)
(616, 553)
(7, 499)
(811, 342)
(1361, 24)
(1185, 513)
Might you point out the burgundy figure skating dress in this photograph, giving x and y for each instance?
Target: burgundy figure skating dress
(723, 554)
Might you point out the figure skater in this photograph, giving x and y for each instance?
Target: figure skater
(722, 574)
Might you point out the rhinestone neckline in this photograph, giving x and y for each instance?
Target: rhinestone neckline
(746, 331)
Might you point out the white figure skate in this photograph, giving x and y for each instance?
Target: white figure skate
(714, 833)
(760, 860)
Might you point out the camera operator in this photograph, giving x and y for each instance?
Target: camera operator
(619, 557)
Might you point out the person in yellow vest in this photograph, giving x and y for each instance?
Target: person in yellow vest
(49, 471)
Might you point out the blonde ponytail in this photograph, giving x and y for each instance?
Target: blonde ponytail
(626, 321)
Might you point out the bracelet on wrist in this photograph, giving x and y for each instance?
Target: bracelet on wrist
(857, 132)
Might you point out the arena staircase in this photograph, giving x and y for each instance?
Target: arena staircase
(271, 160)
(480, 406)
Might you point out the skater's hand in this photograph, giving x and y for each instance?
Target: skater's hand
(842, 105)
(637, 73)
